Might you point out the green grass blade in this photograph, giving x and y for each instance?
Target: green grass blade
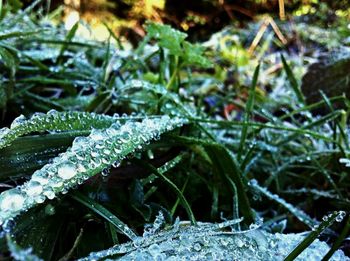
(247, 114)
(317, 122)
(105, 213)
(339, 240)
(224, 164)
(178, 192)
(293, 81)
(69, 37)
(311, 237)
(87, 157)
(302, 216)
(53, 121)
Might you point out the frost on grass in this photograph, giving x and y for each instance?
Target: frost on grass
(53, 121)
(213, 242)
(87, 157)
(299, 214)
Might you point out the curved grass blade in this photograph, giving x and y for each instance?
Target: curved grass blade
(27, 154)
(338, 241)
(247, 113)
(105, 213)
(53, 121)
(20, 254)
(178, 192)
(312, 236)
(224, 165)
(303, 217)
(87, 157)
(293, 81)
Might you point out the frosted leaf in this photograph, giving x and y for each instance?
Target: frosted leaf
(53, 121)
(299, 214)
(207, 242)
(88, 156)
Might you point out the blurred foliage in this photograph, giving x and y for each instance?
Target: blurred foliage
(249, 121)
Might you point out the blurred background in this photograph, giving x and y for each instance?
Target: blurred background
(198, 18)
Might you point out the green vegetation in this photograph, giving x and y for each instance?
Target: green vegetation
(100, 140)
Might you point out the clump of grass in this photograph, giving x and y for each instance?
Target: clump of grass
(141, 132)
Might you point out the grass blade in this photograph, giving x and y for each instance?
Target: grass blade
(178, 192)
(247, 114)
(87, 157)
(293, 81)
(312, 236)
(105, 213)
(339, 240)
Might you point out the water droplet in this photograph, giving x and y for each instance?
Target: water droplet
(18, 121)
(11, 200)
(33, 188)
(97, 135)
(4, 131)
(66, 170)
(340, 217)
(50, 210)
(38, 176)
(52, 112)
(49, 193)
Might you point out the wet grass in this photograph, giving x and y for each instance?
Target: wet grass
(252, 149)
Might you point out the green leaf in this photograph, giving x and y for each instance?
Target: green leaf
(167, 37)
(27, 154)
(53, 121)
(193, 54)
(87, 157)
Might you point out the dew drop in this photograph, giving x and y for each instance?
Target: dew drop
(18, 121)
(66, 171)
(340, 216)
(49, 193)
(4, 131)
(33, 188)
(97, 135)
(37, 176)
(11, 200)
(52, 112)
